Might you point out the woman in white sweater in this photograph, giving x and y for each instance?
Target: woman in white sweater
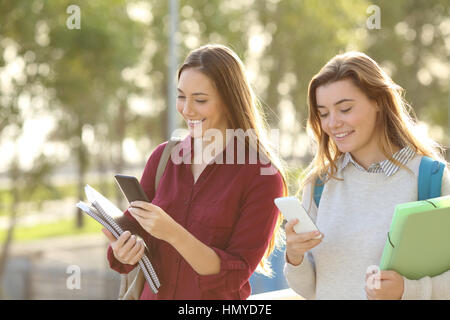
(368, 155)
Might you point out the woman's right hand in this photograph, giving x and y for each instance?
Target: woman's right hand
(127, 248)
(299, 243)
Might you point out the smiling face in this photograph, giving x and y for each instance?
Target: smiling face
(199, 103)
(349, 117)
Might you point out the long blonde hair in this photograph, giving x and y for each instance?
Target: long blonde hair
(243, 111)
(396, 120)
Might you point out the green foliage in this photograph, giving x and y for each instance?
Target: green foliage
(54, 229)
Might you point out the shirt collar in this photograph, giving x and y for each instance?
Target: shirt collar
(386, 166)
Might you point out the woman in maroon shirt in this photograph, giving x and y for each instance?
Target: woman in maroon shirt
(212, 219)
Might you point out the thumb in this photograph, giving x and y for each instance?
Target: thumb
(388, 274)
(289, 227)
(109, 235)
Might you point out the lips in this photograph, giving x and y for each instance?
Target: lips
(342, 135)
(193, 123)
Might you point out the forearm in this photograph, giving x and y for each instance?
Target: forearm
(301, 278)
(200, 257)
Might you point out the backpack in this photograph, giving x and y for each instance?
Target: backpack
(429, 181)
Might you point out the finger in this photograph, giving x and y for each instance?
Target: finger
(123, 238)
(372, 273)
(300, 244)
(138, 255)
(109, 235)
(289, 227)
(302, 248)
(142, 221)
(370, 294)
(143, 205)
(309, 236)
(131, 255)
(311, 245)
(125, 249)
(388, 274)
(142, 213)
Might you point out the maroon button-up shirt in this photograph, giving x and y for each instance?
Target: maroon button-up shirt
(230, 209)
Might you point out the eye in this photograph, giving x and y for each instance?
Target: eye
(181, 97)
(322, 115)
(346, 110)
(201, 101)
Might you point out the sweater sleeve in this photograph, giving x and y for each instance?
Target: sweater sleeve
(428, 288)
(437, 287)
(302, 278)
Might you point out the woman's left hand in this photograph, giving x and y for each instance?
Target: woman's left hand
(390, 286)
(154, 220)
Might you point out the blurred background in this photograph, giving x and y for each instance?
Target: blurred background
(86, 91)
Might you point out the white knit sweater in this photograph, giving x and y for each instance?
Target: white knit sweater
(355, 216)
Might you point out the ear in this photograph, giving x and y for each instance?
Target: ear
(377, 107)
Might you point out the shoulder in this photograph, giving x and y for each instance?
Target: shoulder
(414, 165)
(157, 152)
(264, 172)
(154, 157)
(263, 179)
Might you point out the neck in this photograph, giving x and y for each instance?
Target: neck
(206, 148)
(368, 157)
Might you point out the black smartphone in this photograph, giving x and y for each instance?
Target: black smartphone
(131, 188)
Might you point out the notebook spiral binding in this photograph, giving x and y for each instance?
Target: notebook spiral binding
(144, 263)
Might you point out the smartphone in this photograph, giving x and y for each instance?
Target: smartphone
(131, 188)
(291, 208)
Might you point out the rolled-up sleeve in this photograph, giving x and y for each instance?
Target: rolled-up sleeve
(148, 185)
(250, 237)
(116, 265)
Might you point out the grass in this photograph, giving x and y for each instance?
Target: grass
(59, 228)
(44, 193)
(54, 229)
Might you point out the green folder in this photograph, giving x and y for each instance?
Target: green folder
(418, 242)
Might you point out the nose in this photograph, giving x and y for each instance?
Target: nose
(334, 120)
(188, 109)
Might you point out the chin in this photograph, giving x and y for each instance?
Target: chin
(344, 148)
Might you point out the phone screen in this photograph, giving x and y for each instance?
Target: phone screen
(131, 188)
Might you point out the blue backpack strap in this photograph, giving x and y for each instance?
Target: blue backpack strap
(318, 188)
(430, 178)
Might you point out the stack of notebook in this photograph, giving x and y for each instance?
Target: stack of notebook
(109, 216)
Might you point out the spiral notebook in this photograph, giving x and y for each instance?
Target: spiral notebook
(108, 215)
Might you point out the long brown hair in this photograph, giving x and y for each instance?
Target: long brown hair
(396, 120)
(243, 111)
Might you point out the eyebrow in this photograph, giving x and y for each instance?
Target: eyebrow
(195, 93)
(338, 102)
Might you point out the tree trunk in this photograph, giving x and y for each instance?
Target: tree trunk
(82, 166)
(119, 163)
(12, 222)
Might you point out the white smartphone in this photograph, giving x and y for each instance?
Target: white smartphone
(291, 208)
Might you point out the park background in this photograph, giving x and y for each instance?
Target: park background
(79, 103)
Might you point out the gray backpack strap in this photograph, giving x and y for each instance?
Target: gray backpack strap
(164, 158)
